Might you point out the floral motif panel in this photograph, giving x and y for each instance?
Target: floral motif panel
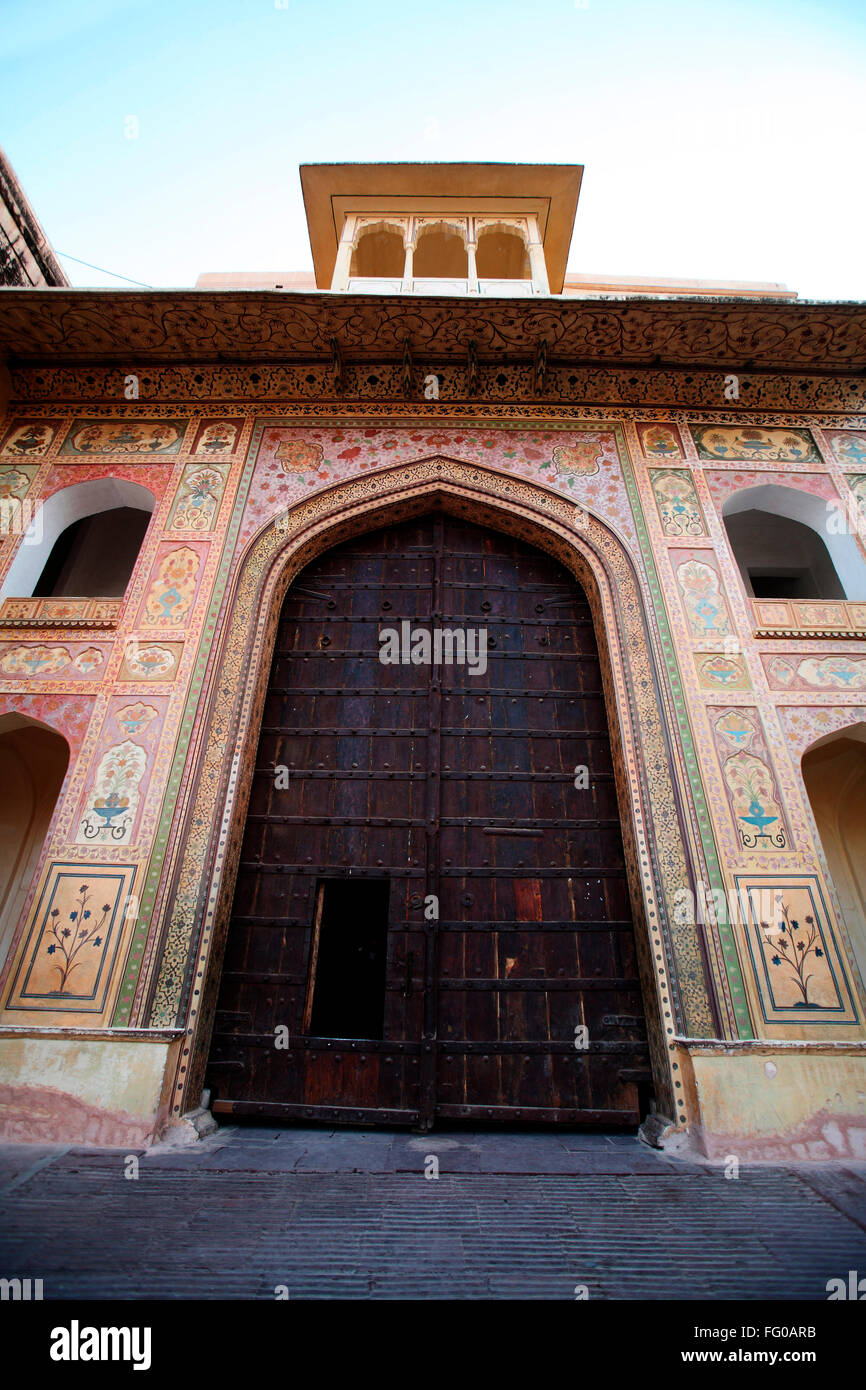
(750, 782)
(113, 797)
(677, 502)
(36, 659)
(173, 588)
(702, 594)
(857, 484)
(722, 672)
(66, 961)
(849, 447)
(150, 661)
(838, 672)
(29, 438)
(217, 439)
(126, 436)
(16, 480)
(789, 938)
(197, 503)
(660, 439)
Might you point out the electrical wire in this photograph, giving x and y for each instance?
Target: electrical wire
(103, 271)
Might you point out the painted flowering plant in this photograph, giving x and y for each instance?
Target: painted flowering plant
(794, 944)
(69, 940)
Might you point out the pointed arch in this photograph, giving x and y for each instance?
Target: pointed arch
(812, 545)
(834, 771)
(34, 759)
(379, 250)
(440, 251)
(65, 509)
(502, 252)
(673, 966)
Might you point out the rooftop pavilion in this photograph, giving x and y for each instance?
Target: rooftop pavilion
(496, 230)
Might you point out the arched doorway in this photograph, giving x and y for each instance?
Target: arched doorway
(834, 771)
(431, 916)
(33, 763)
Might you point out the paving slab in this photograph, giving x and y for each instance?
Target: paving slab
(18, 1161)
(351, 1214)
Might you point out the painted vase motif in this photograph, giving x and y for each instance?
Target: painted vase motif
(751, 442)
(218, 438)
(133, 437)
(660, 442)
(34, 661)
(704, 602)
(113, 799)
(679, 511)
(150, 662)
(171, 594)
(29, 441)
(198, 500)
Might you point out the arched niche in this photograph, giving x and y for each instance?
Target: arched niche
(834, 771)
(379, 252)
(793, 542)
(440, 253)
(674, 969)
(502, 254)
(66, 508)
(33, 762)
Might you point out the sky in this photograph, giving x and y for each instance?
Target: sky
(721, 139)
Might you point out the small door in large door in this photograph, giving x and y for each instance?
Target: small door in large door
(431, 916)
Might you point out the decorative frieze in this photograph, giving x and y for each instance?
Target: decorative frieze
(794, 618)
(476, 375)
(60, 612)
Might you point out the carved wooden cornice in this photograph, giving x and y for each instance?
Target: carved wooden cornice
(468, 389)
(133, 326)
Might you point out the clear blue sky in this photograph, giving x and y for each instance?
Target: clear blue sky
(720, 140)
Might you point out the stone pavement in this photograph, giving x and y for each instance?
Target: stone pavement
(350, 1214)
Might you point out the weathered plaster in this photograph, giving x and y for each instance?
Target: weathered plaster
(105, 1090)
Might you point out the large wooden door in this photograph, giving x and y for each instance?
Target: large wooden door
(431, 917)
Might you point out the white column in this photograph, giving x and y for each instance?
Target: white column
(538, 265)
(343, 263)
(408, 266)
(471, 267)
